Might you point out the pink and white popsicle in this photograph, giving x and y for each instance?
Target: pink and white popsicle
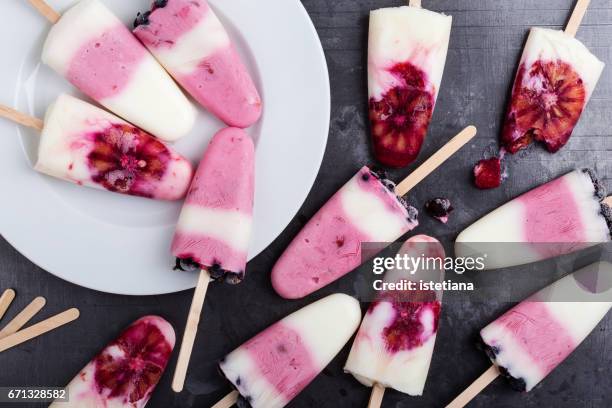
(559, 217)
(188, 39)
(214, 228)
(276, 365)
(96, 52)
(126, 372)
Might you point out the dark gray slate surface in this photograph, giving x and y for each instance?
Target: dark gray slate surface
(485, 46)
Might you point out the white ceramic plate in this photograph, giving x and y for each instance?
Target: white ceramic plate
(120, 244)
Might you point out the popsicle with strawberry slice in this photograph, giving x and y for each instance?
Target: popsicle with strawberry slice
(86, 145)
(556, 77)
(407, 50)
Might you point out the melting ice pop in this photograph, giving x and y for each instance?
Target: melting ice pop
(214, 228)
(188, 39)
(276, 365)
(367, 209)
(88, 146)
(395, 343)
(559, 217)
(406, 57)
(533, 338)
(127, 371)
(95, 51)
(555, 79)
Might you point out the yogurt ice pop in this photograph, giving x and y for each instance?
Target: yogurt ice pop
(394, 345)
(276, 365)
(406, 56)
(93, 50)
(555, 79)
(188, 39)
(533, 338)
(88, 146)
(127, 371)
(559, 217)
(214, 228)
(366, 209)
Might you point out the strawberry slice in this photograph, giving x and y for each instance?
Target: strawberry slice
(547, 101)
(399, 120)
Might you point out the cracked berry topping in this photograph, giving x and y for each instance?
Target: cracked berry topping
(547, 100)
(517, 384)
(127, 160)
(439, 208)
(487, 173)
(142, 19)
(400, 118)
(600, 189)
(215, 271)
(381, 175)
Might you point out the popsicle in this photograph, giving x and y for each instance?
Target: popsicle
(407, 49)
(395, 343)
(127, 371)
(367, 209)
(533, 338)
(214, 228)
(188, 39)
(86, 145)
(555, 79)
(93, 50)
(559, 217)
(276, 365)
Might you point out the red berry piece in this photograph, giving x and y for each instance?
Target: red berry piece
(132, 365)
(487, 173)
(399, 120)
(127, 160)
(439, 208)
(547, 101)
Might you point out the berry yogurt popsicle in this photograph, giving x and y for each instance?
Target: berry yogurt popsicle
(395, 343)
(555, 79)
(365, 209)
(214, 228)
(94, 50)
(276, 365)
(188, 39)
(559, 217)
(88, 146)
(126, 372)
(406, 57)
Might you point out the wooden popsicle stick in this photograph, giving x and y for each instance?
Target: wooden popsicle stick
(376, 397)
(415, 3)
(21, 118)
(38, 329)
(191, 329)
(23, 317)
(46, 10)
(477, 386)
(227, 401)
(435, 160)
(5, 301)
(576, 17)
(608, 200)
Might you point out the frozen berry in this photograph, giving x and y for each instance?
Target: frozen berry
(439, 208)
(487, 173)
(547, 100)
(186, 265)
(127, 160)
(399, 120)
(160, 4)
(142, 19)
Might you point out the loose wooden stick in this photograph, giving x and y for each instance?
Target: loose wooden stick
(608, 201)
(46, 10)
(376, 397)
(477, 386)
(21, 118)
(227, 401)
(38, 329)
(5, 301)
(23, 317)
(415, 3)
(577, 16)
(191, 328)
(435, 161)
